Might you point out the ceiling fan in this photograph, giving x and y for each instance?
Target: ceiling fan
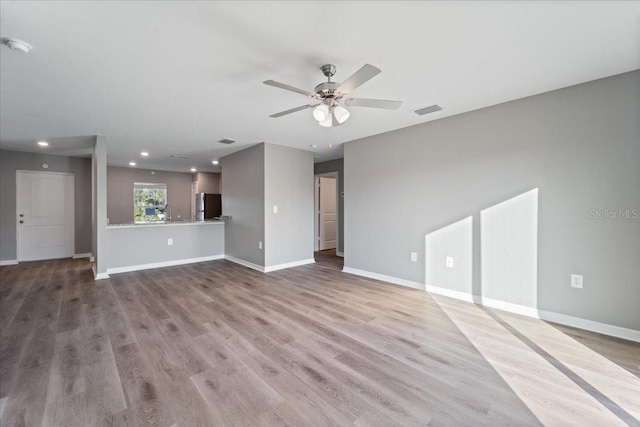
(331, 96)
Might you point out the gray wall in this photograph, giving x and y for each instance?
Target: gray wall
(336, 166)
(578, 146)
(243, 192)
(208, 182)
(289, 186)
(10, 161)
(120, 192)
(147, 244)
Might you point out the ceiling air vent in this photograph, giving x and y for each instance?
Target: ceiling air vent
(226, 141)
(426, 110)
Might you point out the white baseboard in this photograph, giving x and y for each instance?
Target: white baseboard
(590, 325)
(563, 319)
(464, 296)
(271, 267)
(507, 306)
(340, 254)
(87, 255)
(245, 263)
(8, 262)
(98, 276)
(172, 263)
(390, 279)
(289, 265)
(488, 302)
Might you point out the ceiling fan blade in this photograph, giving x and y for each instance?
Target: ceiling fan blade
(363, 75)
(287, 87)
(293, 110)
(373, 103)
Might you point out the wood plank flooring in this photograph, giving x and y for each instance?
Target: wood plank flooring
(218, 344)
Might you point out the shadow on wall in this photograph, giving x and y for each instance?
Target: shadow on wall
(498, 263)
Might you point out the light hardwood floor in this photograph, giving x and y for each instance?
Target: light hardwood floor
(218, 344)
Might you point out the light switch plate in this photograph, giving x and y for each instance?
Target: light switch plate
(275, 209)
(449, 262)
(414, 256)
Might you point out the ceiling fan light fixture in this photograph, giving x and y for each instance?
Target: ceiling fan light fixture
(336, 115)
(328, 122)
(341, 114)
(321, 112)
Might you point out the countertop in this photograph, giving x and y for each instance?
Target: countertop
(165, 223)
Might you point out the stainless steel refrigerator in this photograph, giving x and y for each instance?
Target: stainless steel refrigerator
(208, 206)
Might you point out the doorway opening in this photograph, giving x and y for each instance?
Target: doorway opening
(326, 226)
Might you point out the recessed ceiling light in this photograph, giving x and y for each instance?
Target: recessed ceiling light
(144, 153)
(193, 169)
(132, 163)
(215, 162)
(43, 143)
(15, 44)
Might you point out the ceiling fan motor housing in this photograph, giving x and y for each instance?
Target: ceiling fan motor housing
(327, 90)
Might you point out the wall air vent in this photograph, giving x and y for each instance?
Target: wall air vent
(175, 156)
(226, 141)
(426, 110)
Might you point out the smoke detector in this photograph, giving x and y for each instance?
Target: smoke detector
(15, 44)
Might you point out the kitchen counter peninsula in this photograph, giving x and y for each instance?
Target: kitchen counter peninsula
(154, 244)
(165, 223)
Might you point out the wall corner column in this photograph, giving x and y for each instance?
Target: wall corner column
(99, 208)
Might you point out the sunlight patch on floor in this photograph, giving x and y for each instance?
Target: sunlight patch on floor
(532, 357)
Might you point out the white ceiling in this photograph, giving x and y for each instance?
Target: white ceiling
(175, 77)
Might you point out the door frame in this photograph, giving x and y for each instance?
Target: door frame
(316, 209)
(71, 219)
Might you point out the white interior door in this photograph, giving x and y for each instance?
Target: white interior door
(328, 213)
(45, 216)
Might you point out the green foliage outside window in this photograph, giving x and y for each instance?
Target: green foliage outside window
(148, 202)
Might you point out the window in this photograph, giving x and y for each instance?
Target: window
(149, 201)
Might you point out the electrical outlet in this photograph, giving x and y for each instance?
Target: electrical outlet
(169, 242)
(576, 281)
(449, 262)
(414, 256)
(275, 208)
(259, 245)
